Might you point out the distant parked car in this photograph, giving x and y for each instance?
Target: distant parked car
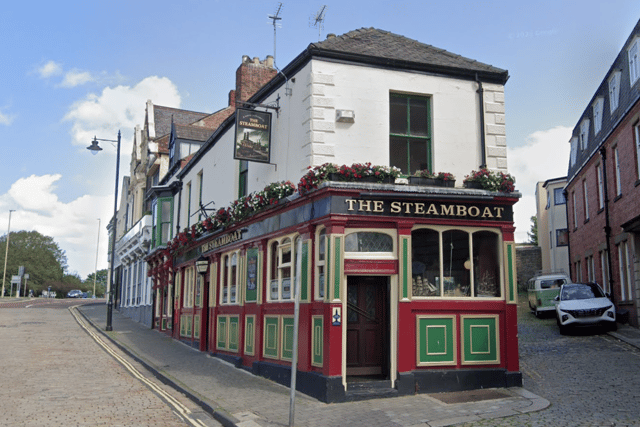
(75, 293)
(542, 289)
(584, 304)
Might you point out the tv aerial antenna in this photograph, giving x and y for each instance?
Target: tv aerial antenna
(317, 21)
(274, 21)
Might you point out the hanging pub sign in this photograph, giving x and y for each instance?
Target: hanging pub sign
(253, 136)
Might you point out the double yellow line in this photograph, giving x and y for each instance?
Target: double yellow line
(178, 407)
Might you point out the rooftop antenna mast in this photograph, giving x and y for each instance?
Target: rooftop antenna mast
(274, 20)
(318, 20)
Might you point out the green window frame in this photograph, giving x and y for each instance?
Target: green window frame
(410, 132)
(243, 172)
(162, 213)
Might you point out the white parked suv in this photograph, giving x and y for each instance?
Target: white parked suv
(584, 304)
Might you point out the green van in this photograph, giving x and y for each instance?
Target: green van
(542, 290)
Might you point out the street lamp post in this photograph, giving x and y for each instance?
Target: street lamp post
(95, 148)
(6, 252)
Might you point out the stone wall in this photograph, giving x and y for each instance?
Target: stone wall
(528, 263)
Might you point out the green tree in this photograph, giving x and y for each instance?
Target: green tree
(101, 282)
(40, 255)
(533, 234)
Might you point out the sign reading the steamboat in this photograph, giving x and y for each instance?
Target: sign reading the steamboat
(429, 209)
(221, 241)
(253, 136)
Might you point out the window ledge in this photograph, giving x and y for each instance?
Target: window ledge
(618, 197)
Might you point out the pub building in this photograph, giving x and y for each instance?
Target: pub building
(403, 288)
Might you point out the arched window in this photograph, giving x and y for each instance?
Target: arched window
(229, 278)
(282, 261)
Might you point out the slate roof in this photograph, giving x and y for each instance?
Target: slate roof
(371, 43)
(163, 115)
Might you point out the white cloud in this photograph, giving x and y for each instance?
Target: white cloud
(75, 78)
(6, 119)
(544, 156)
(73, 225)
(49, 69)
(119, 108)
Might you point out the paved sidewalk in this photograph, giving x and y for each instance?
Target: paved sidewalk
(628, 334)
(237, 398)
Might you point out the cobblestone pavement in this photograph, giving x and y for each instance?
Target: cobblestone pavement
(54, 374)
(590, 378)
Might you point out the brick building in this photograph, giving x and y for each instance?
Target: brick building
(603, 194)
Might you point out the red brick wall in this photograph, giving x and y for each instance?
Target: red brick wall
(588, 236)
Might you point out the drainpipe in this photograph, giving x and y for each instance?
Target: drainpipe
(607, 226)
(179, 206)
(566, 214)
(483, 143)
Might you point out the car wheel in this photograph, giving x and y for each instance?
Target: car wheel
(563, 330)
(613, 326)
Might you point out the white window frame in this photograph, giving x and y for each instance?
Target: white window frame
(584, 134)
(634, 61)
(574, 150)
(614, 91)
(597, 114)
(188, 287)
(604, 263)
(591, 276)
(585, 195)
(618, 175)
(636, 135)
(277, 291)
(321, 264)
(625, 271)
(575, 210)
(600, 187)
(229, 278)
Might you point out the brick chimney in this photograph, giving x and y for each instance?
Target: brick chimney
(251, 75)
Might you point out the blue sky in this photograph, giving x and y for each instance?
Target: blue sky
(70, 70)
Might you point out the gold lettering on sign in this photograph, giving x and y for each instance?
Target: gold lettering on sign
(221, 241)
(424, 209)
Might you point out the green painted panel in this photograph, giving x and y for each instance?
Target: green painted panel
(271, 337)
(183, 326)
(196, 326)
(251, 285)
(436, 340)
(304, 278)
(480, 339)
(234, 332)
(287, 338)
(317, 336)
(222, 332)
(337, 274)
(249, 335)
(405, 268)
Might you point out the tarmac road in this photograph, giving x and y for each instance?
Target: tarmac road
(55, 373)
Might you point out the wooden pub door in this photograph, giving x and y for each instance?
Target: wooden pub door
(368, 326)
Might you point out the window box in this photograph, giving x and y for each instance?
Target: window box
(433, 182)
